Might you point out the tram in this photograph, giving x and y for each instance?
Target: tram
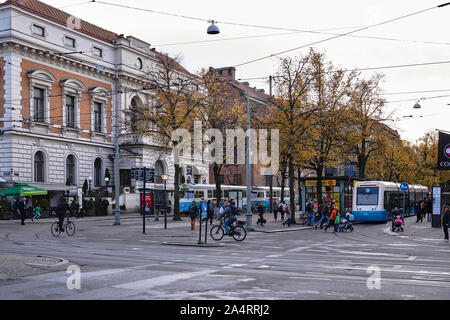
(197, 192)
(375, 200)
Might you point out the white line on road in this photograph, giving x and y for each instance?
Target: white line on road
(147, 284)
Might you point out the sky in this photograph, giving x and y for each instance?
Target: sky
(168, 33)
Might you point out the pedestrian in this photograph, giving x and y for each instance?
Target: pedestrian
(332, 219)
(395, 213)
(325, 212)
(210, 211)
(282, 209)
(37, 212)
(193, 213)
(445, 220)
(15, 206)
(423, 209)
(261, 221)
(418, 210)
(288, 220)
(337, 222)
(275, 209)
(429, 208)
(23, 210)
(105, 205)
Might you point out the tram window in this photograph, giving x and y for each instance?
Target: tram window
(182, 194)
(260, 195)
(210, 194)
(189, 194)
(367, 196)
(201, 194)
(226, 193)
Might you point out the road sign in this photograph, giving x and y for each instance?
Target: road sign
(404, 187)
(138, 174)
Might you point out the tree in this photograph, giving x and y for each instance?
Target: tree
(329, 95)
(176, 96)
(364, 134)
(217, 110)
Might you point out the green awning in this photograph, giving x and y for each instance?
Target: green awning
(23, 190)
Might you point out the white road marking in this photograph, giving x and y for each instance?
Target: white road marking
(274, 256)
(237, 265)
(411, 258)
(147, 284)
(263, 266)
(269, 247)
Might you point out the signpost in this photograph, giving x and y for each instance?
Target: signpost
(145, 175)
(404, 187)
(436, 216)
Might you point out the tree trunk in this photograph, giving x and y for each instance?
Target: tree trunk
(218, 185)
(176, 195)
(283, 183)
(292, 191)
(319, 171)
(300, 200)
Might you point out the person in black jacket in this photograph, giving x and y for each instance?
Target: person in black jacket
(23, 210)
(210, 211)
(61, 209)
(445, 220)
(193, 213)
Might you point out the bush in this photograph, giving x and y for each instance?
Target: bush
(91, 204)
(6, 210)
(123, 207)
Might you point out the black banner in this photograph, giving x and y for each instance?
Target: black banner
(444, 151)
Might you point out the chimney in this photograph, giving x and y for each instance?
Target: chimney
(227, 72)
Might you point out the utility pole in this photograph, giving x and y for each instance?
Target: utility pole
(116, 149)
(271, 176)
(248, 172)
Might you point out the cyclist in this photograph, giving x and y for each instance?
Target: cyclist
(61, 209)
(230, 216)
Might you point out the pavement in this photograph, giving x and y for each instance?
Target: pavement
(120, 262)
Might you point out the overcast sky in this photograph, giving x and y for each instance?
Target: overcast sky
(162, 31)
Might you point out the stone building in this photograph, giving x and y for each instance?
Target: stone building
(62, 82)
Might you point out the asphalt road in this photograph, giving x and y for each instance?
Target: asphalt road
(122, 263)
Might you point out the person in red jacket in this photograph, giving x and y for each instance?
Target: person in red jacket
(332, 217)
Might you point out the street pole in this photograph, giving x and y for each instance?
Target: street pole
(404, 205)
(117, 152)
(165, 205)
(248, 214)
(143, 201)
(271, 176)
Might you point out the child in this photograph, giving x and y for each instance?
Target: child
(337, 221)
(37, 211)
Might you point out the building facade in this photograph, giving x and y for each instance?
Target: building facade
(63, 84)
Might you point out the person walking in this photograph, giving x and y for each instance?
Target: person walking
(423, 209)
(288, 220)
(37, 212)
(325, 212)
(282, 209)
(193, 213)
(337, 222)
(210, 211)
(15, 205)
(445, 220)
(275, 210)
(261, 221)
(23, 211)
(429, 208)
(418, 210)
(332, 219)
(105, 205)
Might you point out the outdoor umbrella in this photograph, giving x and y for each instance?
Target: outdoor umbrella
(23, 190)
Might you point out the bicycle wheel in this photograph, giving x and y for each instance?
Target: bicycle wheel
(239, 233)
(70, 228)
(217, 233)
(55, 229)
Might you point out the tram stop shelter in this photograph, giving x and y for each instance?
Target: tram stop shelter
(334, 188)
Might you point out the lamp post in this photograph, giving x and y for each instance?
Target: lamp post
(107, 186)
(164, 177)
(89, 180)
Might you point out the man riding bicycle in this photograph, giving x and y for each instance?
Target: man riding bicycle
(61, 209)
(229, 213)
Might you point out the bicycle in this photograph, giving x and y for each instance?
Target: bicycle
(238, 232)
(68, 227)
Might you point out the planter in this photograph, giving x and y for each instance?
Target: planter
(123, 211)
(6, 216)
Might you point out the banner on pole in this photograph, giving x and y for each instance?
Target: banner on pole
(443, 151)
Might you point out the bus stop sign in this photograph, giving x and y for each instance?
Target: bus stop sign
(404, 187)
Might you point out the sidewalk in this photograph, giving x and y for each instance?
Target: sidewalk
(421, 231)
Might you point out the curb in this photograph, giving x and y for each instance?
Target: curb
(284, 230)
(189, 244)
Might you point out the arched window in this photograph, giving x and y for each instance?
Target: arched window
(133, 115)
(98, 172)
(39, 167)
(159, 170)
(70, 169)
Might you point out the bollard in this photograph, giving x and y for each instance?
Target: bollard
(165, 219)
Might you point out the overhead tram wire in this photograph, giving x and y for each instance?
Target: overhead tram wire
(342, 35)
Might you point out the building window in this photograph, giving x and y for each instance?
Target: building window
(70, 42)
(237, 179)
(140, 64)
(98, 172)
(38, 104)
(98, 52)
(159, 170)
(70, 169)
(221, 179)
(70, 111)
(98, 117)
(39, 167)
(133, 115)
(38, 30)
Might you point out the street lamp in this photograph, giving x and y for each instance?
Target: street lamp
(90, 180)
(107, 186)
(165, 177)
(213, 29)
